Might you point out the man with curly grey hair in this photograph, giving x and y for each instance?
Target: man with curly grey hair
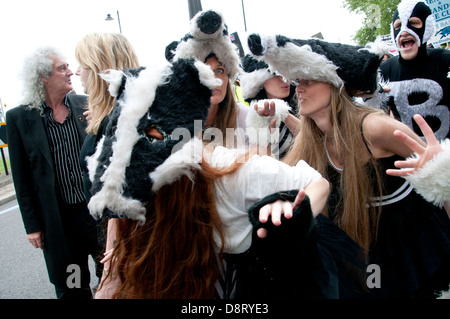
(45, 134)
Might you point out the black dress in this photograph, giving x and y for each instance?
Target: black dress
(412, 248)
(303, 258)
(88, 149)
(313, 258)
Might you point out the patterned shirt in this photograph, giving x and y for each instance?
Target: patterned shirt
(65, 147)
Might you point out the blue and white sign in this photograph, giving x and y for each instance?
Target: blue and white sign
(441, 12)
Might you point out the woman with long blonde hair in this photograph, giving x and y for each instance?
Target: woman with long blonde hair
(353, 146)
(96, 53)
(340, 139)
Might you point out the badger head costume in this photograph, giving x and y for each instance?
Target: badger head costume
(354, 67)
(150, 139)
(256, 73)
(413, 8)
(208, 35)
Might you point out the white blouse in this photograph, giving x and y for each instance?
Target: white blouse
(259, 177)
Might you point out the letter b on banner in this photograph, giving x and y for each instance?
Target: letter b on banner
(74, 279)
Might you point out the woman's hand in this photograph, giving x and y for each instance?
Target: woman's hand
(276, 210)
(88, 116)
(267, 110)
(107, 256)
(424, 154)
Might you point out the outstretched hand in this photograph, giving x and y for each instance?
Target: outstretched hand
(267, 110)
(424, 153)
(276, 210)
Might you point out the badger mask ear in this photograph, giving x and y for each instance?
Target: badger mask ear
(170, 49)
(115, 78)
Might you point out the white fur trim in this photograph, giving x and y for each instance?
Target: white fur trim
(257, 127)
(252, 82)
(197, 33)
(182, 162)
(139, 95)
(445, 294)
(92, 161)
(430, 28)
(114, 78)
(222, 46)
(203, 44)
(432, 181)
(379, 48)
(206, 75)
(295, 62)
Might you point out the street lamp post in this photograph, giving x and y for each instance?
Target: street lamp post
(194, 6)
(243, 12)
(109, 18)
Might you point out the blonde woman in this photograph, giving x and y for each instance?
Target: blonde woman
(96, 53)
(353, 146)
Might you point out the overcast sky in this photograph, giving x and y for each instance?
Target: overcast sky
(150, 26)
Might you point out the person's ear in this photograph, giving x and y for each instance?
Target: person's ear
(43, 78)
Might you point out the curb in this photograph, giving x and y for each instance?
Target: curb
(7, 199)
(6, 181)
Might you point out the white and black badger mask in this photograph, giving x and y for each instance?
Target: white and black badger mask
(354, 67)
(414, 8)
(256, 73)
(208, 35)
(130, 163)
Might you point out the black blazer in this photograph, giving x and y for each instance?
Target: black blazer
(35, 181)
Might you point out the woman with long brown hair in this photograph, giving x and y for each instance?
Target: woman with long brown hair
(208, 41)
(185, 207)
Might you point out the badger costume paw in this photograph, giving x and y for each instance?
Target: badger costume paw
(258, 130)
(432, 181)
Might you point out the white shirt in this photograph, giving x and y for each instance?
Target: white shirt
(259, 177)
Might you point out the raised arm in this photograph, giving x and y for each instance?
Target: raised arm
(428, 170)
(317, 191)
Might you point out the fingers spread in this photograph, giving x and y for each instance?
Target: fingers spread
(408, 141)
(426, 130)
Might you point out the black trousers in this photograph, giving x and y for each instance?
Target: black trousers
(81, 234)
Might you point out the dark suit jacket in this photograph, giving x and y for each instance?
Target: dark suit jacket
(35, 180)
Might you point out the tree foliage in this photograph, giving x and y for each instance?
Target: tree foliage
(378, 17)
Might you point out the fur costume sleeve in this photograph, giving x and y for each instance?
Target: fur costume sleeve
(432, 181)
(304, 257)
(302, 214)
(258, 129)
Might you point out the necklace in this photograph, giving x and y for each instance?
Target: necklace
(329, 158)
